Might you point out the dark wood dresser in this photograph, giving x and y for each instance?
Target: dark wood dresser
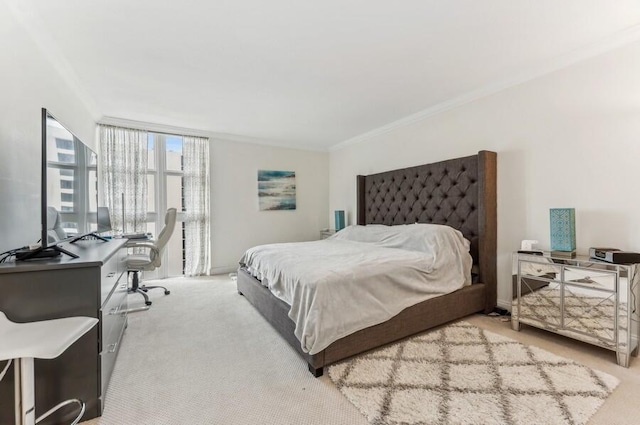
(93, 285)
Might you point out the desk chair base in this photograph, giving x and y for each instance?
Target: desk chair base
(142, 290)
(145, 288)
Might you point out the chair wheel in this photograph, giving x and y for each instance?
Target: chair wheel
(148, 302)
(167, 292)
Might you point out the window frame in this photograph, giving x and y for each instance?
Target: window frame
(160, 173)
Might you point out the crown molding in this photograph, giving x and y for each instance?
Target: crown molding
(183, 131)
(600, 47)
(153, 127)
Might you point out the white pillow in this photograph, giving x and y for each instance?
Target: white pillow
(420, 237)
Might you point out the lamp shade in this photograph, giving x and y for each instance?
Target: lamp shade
(339, 217)
(563, 229)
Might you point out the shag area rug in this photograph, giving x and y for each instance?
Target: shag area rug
(461, 374)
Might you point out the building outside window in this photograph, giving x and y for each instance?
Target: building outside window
(63, 165)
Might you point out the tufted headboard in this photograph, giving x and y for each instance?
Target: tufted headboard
(458, 192)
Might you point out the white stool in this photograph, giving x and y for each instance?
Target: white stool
(41, 340)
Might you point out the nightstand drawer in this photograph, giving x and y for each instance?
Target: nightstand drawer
(592, 278)
(542, 303)
(540, 269)
(590, 312)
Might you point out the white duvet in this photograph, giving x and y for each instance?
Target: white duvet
(360, 277)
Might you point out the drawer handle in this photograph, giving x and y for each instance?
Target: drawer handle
(123, 286)
(112, 274)
(113, 311)
(112, 347)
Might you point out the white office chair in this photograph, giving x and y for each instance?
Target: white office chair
(55, 232)
(24, 342)
(152, 258)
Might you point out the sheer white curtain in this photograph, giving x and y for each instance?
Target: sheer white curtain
(195, 156)
(123, 160)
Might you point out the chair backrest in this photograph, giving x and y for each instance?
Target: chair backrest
(104, 220)
(55, 232)
(167, 230)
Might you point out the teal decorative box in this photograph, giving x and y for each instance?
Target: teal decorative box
(563, 229)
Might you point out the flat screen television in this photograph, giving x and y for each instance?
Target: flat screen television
(69, 188)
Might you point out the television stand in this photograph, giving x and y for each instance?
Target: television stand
(92, 235)
(48, 252)
(93, 285)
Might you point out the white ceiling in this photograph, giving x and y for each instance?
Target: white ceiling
(306, 73)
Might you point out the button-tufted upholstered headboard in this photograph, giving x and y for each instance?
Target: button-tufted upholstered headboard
(460, 193)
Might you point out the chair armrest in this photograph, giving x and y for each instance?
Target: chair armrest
(140, 243)
(154, 252)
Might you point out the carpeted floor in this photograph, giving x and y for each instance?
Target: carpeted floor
(203, 355)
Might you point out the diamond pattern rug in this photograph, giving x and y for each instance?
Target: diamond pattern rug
(461, 374)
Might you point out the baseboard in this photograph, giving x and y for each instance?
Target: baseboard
(223, 270)
(506, 304)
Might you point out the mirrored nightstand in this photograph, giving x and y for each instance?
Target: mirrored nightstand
(582, 298)
(324, 234)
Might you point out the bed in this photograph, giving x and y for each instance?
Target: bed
(460, 193)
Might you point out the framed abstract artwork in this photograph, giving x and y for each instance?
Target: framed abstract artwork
(276, 190)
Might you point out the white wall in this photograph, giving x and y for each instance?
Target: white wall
(568, 139)
(28, 82)
(237, 223)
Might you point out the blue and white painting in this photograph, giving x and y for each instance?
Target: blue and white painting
(277, 190)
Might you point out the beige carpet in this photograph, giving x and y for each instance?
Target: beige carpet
(203, 355)
(461, 374)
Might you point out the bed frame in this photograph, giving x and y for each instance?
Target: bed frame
(460, 193)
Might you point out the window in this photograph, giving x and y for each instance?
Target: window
(165, 190)
(64, 144)
(70, 228)
(67, 158)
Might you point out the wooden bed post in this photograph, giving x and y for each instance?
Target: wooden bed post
(360, 205)
(488, 224)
